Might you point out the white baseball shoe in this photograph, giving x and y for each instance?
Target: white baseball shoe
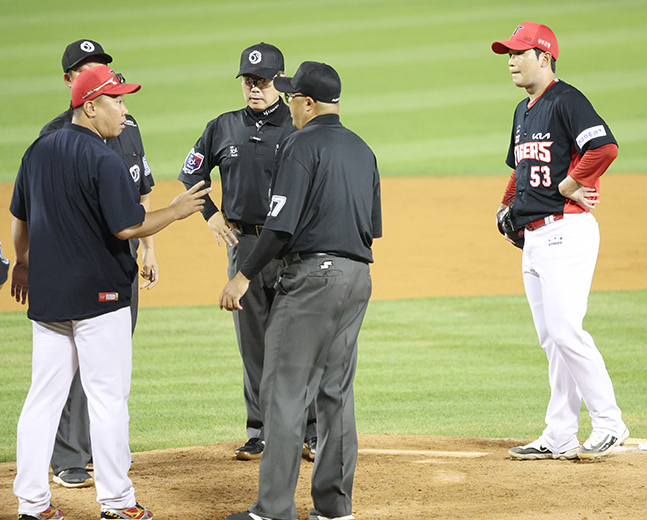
(537, 451)
(601, 444)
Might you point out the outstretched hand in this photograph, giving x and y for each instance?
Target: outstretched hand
(190, 201)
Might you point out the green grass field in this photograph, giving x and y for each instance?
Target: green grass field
(439, 366)
(420, 82)
(422, 87)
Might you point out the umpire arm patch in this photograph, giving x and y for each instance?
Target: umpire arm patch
(192, 162)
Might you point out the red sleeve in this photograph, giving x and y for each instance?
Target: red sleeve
(593, 164)
(510, 189)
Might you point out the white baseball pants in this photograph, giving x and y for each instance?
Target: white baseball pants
(558, 264)
(102, 349)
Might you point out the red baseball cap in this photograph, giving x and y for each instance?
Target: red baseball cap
(98, 80)
(529, 35)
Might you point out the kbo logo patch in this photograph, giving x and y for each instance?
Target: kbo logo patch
(193, 161)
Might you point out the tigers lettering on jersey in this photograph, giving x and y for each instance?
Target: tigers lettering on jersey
(539, 150)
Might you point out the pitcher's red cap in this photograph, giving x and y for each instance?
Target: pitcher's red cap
(98, 80)
(529, 35)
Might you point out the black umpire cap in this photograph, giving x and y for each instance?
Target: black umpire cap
(317, 80)
(262, 60)
(78, 51)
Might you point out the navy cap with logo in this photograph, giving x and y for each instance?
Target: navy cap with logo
(317, 80)
(262, 60)
(80, 50)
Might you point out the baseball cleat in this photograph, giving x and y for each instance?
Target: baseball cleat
(537, 451)
(74, 478)
(134, 513)
(253, 449)
(601, 444)
(316, 515)
(51, 513)
(310, 449)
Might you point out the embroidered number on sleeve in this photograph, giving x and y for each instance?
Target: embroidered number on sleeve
(276, 205)
(540, 175)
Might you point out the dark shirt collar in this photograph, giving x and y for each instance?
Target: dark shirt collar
(83, 130)
(324, 119)
(273, 115)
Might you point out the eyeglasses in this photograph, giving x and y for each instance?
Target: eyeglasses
(288, 96)
(261, 83)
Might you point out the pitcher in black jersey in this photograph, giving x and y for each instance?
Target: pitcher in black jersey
(559, 149)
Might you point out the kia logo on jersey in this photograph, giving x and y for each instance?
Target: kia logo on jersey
(192, 162)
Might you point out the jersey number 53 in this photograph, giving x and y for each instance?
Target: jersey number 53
(540, 175)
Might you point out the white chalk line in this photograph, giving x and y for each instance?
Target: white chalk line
(430, 453)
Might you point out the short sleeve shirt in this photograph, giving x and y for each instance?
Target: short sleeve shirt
(74, 193)
(243, 145)
(326, 192)
(547, 138)
(128, 144)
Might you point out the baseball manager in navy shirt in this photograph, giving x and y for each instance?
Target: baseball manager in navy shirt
(324, 213)
(74, 208)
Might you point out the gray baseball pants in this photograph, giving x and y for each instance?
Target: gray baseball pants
(251, 324)
(311, 355)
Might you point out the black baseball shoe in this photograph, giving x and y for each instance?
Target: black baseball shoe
(253, 449)
(537, 451)
(316, 515)
(310, 449)
(51, 513)
(74, 478)
(601, 444)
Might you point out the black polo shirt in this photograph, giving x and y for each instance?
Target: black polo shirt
(546, 137)
(74, 193)
(128, 144)
(243, 145)
(326, 193)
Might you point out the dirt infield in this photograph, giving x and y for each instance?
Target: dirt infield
(398, 477)
(439, 241)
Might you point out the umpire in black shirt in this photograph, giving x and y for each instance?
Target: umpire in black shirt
(324, 214)
(243, 144)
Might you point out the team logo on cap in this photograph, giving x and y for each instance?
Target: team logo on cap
(193, 162)
(87, 46)
(255, 57)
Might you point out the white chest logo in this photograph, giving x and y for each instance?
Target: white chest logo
(134, 173)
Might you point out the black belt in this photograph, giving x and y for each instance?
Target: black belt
(296, 257)
(249, 229)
